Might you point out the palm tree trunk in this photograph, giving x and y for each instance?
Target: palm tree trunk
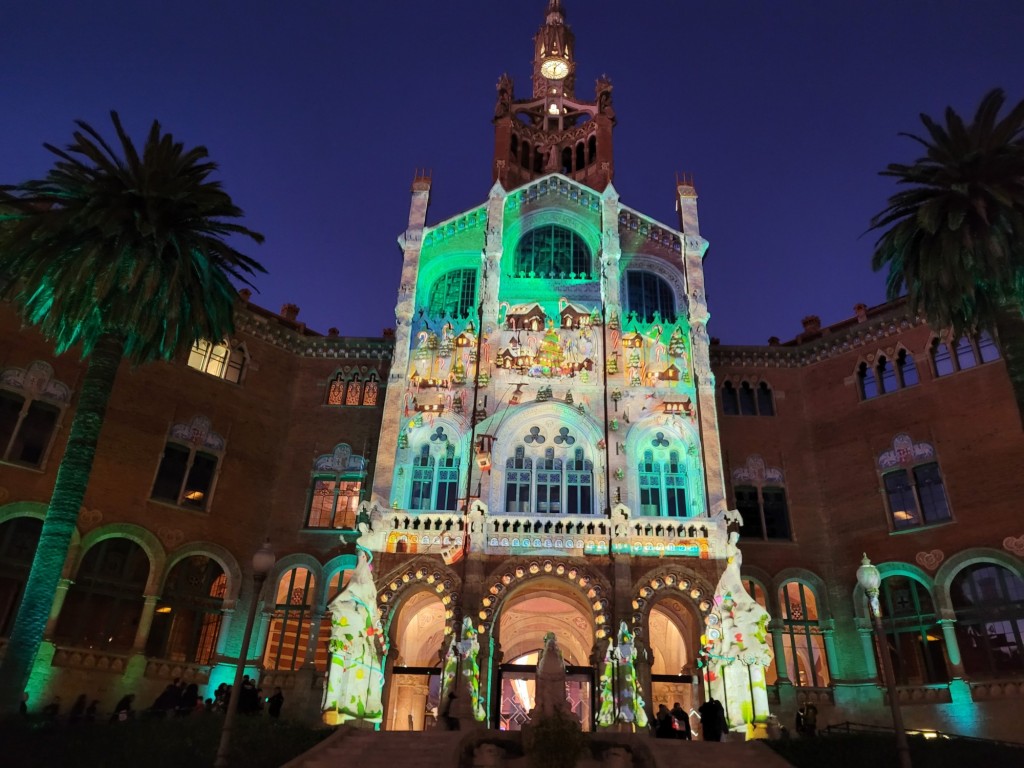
(1010, 328)
(60, 521)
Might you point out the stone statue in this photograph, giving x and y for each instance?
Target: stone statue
(629, 703)
(355, 674)
(464, 689)
(550, 697)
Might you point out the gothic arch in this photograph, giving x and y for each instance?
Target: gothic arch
(808, 579)
(216, 552)
(686, 439)
(512, 575)
(668, 271)
(287, 563)
(331, 568)
(587, 226)
(948, 570)
(418, 575)
(148, 541)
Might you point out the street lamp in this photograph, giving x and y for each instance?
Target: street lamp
(262, 562)
(870, 580)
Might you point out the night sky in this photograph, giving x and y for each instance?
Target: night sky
(319, 112)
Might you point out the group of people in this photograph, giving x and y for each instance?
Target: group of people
(178, 699)
(675, 723)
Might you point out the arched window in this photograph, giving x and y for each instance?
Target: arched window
(765, 403)
(435, 481)
(912, 631)
(592, 149)
(518, 479)
(371, 389)
(886, 376)
(567, 161)
(289, 627)
(942, 359)
(965, 357)
(188, 617)
(453, 294)
(757, 591)
(19, 538)
(549, 484)
(989, 603)
(336, 390)
(514, 149)
(551, 251)
(525, 159)
(866, 381)
(987, 349)
(802, 642)
(337, 583)
(730, 399)
(218, 360)
(581, 159)
(748, 404)
(31, 402)
(579, 485)
(906, 368)
(104, 604)
(662, 484)
(916, 496)
(650, 297)
(354, 391)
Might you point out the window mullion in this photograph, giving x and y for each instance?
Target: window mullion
(185, 475)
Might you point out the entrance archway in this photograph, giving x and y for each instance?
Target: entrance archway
(417, 634)
(527, 615)
(672, 632)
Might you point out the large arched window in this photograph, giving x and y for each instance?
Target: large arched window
(289, 627)
(18, 541)
(802, 642)
(650, 297)
(188, 617)
(989, 603)
(103, 606)
(453, 294)
(551, 251)
(912, 631)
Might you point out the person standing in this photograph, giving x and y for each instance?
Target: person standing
(274, 703)
(712, 719)
(682, 722)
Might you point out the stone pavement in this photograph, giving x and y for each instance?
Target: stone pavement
(439, 749)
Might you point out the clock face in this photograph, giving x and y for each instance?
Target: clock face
(554, 69)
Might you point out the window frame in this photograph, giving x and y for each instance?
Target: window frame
(579, 254)
(561, 479)
(24, 412)
(234, 361)
(665, 476)
(467, 289)
(665, 296)
(910, 474)
(808, 630)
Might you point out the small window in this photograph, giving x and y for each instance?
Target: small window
(987, 349)
(218, 360)
(334, 501)
(518, 479)
(185, 476)
(906, 368)
(886, 376)
(764, 511)
(965, 353)
(748, 506)
(370, 390)
(765, 403)
(867, 382)
(942, 359)
(27, 428)
(730, 400)
(748, 406)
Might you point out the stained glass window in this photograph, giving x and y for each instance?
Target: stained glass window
(802, 642)
(218, 360)
(453, 294)
(370, 390)
(334, 502)
(336, 391)
(290, 625)
(650, 297)
(354, 393)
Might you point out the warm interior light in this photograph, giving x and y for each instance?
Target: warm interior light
(194, 495)
(901, 514)
(164, 609)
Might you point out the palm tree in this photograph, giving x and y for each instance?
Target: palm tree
(954, 238)
(124, 256)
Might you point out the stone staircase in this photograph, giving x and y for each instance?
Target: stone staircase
(439, 749)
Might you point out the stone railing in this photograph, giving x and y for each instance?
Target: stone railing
(990, 690)
(910, 695)
(162, 669)
(91, 660)
(544, 533)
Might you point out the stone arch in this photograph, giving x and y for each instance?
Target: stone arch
(507, 579)
(667, 271)
(587, 225)
(673, 579)
(330, 569)
(764, 580)
(893, 569)
(289, 562)
(808, 579)
(688, 437)
(227, 562)
(37, 510)
(418, 575)
(144, 538)
(948, 571)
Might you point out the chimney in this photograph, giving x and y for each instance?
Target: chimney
(388, 333)
(861, 310)
(773, 341)
(332, 333)
(290, 312)
(812, 324)
(245, 294)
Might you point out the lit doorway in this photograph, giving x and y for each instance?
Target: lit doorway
(418, 633)
(670, 630)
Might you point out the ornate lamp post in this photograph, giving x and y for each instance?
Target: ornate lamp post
(870, 580)
(262, 562)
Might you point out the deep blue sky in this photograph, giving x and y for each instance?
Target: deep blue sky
(319, 111)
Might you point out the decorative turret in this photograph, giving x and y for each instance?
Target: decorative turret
(552, 132)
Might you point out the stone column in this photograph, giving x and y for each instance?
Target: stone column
(956, 666)
(145, 623)
(828, 635)
(227, 615)
(58, 603)
(387, 692)
(779, 648)
(868, 644)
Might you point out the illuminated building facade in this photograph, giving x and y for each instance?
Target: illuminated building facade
(549, 442)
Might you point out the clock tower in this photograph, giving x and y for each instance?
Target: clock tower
(552, 131)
